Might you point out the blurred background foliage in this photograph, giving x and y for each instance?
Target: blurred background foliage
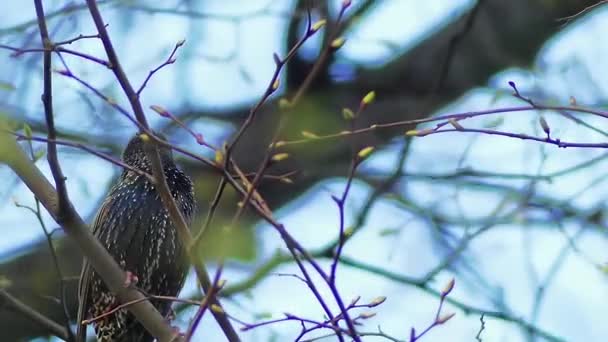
(537, 211)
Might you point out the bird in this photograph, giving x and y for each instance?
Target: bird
(135, 228)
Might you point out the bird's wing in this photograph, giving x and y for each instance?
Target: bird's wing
(86, 275)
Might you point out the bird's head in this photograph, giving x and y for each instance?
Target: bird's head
(135, 155)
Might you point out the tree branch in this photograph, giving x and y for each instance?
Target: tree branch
(33, 315)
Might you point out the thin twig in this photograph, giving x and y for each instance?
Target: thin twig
(135, 301)
(482, 327)
(205, 303)
(446, 120)
(569, 18)
(53, 48)
(34, 316)
(86, 148)
(169, 60)
(60, 278)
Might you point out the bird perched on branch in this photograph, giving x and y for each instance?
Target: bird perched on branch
(135, 228)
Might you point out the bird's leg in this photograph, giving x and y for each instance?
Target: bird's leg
(130, 279)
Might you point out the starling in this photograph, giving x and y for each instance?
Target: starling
(135, 228)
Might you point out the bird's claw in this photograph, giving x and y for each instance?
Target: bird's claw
(130, 279)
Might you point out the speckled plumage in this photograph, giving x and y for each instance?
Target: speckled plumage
(135, 228)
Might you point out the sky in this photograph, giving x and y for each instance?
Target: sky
(226, 63)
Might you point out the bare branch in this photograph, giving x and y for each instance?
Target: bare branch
(33, 315)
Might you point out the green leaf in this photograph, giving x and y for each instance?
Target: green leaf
(262, 316)
(231, 243)
(6, 86)
(39, 154)
(8, 146)
(4, 282)
(389, 232)
(495, 122)
(498, 95)
(27, 130)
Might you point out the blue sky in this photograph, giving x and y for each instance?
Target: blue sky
(210, 74)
